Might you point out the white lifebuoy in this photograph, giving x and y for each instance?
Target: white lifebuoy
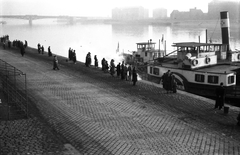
(238, 56)
(194, 62)
(207, 60)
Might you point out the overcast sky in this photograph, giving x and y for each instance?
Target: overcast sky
(91, 7)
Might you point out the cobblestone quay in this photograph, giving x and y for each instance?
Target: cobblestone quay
(98, 114)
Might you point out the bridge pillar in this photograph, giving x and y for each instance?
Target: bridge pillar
(30, 21)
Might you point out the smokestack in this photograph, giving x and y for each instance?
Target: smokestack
(225, 28)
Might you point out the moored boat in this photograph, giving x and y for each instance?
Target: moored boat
(199, 68)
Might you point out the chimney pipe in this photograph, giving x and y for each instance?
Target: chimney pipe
(225, 28)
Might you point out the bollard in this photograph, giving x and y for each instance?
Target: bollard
(226, 109)
(238, 118)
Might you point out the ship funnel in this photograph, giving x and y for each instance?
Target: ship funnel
(225, 25)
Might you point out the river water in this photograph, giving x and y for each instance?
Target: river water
(103, 39)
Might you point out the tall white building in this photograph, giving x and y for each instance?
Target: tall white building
(130, 13)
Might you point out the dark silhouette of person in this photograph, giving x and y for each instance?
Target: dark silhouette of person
(70, 54)
(4, 45)
(220, 97)
(74, 57)
(166, 78)
(173, 83)
(106, 66)
(238, 118)
(42, 49)
(26, 44)
(134, 76)
(103, 64)
(39, 48)
(55, 63)
(88, 60)
(112, 67)
(122, 71)
(22, 50)
(95, 61)
(118, 69)
(49, 51)
(129, 74)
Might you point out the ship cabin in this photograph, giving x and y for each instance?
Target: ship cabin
(192, 55)
(145, 52)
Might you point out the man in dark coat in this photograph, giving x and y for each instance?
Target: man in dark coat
(70, 54)
(39, 48)
(134, 76)
(95, 61)
(49, 51)
(112, 67)
(122, 71)
(220, 97)
(55, 63)
(103, 64)
(118, 69)
(74, 57)
(42, 49)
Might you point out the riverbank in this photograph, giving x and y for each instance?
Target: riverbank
(99, 114)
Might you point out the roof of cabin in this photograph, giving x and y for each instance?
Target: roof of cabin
(192, 44)
(145, 43)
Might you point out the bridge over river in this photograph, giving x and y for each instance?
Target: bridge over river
(30, 18)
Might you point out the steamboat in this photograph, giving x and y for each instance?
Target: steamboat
(199, 68)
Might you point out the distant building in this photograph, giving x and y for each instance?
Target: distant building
(159, 13)
(216, 6)
(130, 13)
(192, 14)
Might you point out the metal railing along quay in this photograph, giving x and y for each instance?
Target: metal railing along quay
(14, 88)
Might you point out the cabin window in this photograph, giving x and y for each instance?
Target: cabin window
(230, 79)
(199, 78)
(151, 70)
(217, 48)
(145, 54)
(212, 79)
(156, 71)
(211, 48)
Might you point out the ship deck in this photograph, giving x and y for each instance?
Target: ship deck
(220, 67)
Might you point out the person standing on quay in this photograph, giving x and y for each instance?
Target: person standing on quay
(55, 63)
(134, 76)
(42, 49)
(39, 48)
(74, 57)
(118, 69)
(122, 71)
(129, 74)
(103, 64)
(220, 97)
(26, 44)
(173, 83)
(88, 60)
(49, 51)
(112, 68)
(70, 54)
(95, 61)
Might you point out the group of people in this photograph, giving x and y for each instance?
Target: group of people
(41, 49)
(105, 65)
(16, 43)
(124, 71)
(169, 82)
(72, 55)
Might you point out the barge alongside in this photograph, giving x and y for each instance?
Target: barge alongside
(199, 68)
